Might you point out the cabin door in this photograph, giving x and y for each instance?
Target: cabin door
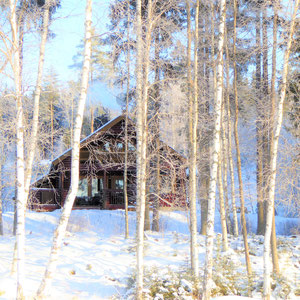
(115, 190)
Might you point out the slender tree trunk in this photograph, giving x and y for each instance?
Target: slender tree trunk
(155, 222)
(207, 285)
(224, 166)
(52, 126)
(238, 154)
(259, 135)
(59, 233)
(34, 129)
(126, 167)
(265, 106)
(222, 207)
(92, 117)
(147, 213)
(272, 114)
(142, 105)
(20, 199)
(205, 175)
(126, 126)
(37, 93)
(273, 161)
(231, 168)
(15, 210)
(193, 115)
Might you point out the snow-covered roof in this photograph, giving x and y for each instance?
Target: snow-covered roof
(104, 127)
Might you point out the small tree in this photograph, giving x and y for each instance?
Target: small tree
(59, 233)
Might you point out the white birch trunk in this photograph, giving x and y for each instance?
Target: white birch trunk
(224, 166)
(193, 122)
(126, 126)
(222, 207)
(20, 199)
(207, 285)
(37, 93)
(141, 154)
(59, 233)
(273, 160)
(237, 146)
(231, 168)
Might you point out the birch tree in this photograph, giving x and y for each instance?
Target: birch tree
(273, 160)
(59, 233)
(20, 199)
(193, 122)
(271, 137)
(37, 93)
(207, 284)
(238, 154)
(229, 129)
(259, 155)
(126, 125)
(141, 150)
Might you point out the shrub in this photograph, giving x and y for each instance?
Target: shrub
(228, 279)
(165, 284)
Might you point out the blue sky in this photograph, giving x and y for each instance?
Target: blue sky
(68, 26)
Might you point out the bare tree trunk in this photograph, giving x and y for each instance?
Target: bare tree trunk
(20, 199)
(126, 168)
(265, 107)
(272, 114)
(155, 222)
(37, 93)
(273, 162)
(231, 168)
(15, 207)
(59, 233)
(126, 127)
(224, 164)
(126, 135)
(193, 121)
(142, 105)
(222, 207)
(147, 214)
(92, 117)
(238, 154)
(259, 139)
(207, 284)
(204, 111)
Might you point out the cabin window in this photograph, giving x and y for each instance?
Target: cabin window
(119, 184)
(120, 146)
(166, 186)
(131, 147)
(97, 186)
(82, 188)
(66, 180)
(106, 146)
(47, 197)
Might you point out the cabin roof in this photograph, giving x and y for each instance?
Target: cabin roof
(103, 128)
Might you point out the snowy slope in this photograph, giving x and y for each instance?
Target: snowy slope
(97, 262)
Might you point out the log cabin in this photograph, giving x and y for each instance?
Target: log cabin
(101, 179)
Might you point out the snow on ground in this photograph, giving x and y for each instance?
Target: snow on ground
(96, 261)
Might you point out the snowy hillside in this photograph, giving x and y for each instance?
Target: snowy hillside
(98, 263)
